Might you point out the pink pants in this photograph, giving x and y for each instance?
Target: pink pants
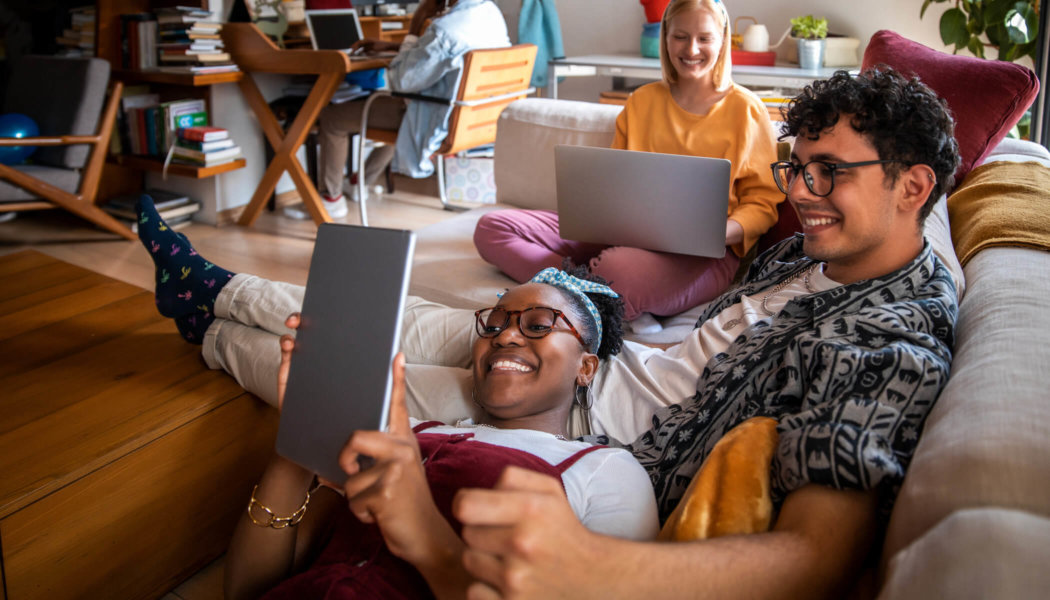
(523, 242)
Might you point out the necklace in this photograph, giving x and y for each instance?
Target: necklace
(775, 291)
(466, 424)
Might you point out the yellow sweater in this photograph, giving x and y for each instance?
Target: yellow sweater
(737, 128)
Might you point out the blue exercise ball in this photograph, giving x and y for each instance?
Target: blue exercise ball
(16, 125)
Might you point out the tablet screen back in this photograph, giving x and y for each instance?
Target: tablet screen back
(351, 322)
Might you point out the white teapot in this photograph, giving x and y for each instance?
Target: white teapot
(756, 38)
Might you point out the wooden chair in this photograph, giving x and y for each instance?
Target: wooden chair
(255, 53)
(491, 79)
(67, 99)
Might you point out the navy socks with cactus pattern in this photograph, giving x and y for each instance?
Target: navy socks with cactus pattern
(187, 284)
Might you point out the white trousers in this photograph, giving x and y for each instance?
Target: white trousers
(250, 313)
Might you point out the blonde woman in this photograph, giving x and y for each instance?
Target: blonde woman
(696, 110)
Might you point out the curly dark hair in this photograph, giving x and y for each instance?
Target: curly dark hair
(902, 118)
(610, 309)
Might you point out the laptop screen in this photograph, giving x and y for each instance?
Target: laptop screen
(333, 29)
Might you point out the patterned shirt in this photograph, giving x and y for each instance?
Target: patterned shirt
(850, 374)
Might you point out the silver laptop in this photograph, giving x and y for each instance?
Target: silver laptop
(663, 202)
(338, 29)
(351, 323)
(333, 29)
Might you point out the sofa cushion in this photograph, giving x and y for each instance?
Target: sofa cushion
(526, 135)
(987, 440)
(1001, 204)
(962, 557)
(64, 95)
(63, 179)
(986, 97)
(938, 231)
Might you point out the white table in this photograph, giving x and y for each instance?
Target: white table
(623, 65)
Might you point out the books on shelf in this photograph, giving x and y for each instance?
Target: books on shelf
(148, 126)
(187, 40)
(198, 69)
(203, 134)
(176, 209)
(207, 159)
(204, 147)
(79, 38)
(207, 146)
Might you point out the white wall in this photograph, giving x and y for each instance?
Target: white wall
(614, 26)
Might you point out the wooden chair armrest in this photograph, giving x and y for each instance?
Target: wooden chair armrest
(51, 140)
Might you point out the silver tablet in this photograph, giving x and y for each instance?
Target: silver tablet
(351, 322)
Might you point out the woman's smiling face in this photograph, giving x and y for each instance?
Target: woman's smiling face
(694, 39)
(523, 380)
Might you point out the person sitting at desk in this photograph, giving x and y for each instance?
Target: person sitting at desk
(427, 63)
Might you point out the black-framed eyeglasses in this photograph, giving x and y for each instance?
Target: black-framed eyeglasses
(819, 175)
(535, 322)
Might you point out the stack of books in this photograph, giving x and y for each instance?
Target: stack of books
(148, 126)
(177, 210)
(191, 44)
(204, 147)
(138, 42)
(79, 38)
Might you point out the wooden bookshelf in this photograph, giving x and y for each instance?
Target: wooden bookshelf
(149, 163)
(170, 78)
(128, 169)
(372, 27)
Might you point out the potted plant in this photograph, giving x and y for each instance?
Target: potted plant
(1009, 26)
(811, 34)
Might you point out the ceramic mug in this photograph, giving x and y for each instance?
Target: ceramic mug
(756, 38)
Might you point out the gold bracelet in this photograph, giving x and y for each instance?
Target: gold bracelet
(273, 521)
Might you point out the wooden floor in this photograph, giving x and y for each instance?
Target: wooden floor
(275, 247)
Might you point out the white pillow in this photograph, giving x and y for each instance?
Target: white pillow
(939, 233)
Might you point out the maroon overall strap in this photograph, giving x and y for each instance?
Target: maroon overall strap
(426, 425)
(568, 462)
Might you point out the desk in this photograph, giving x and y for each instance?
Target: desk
(623, 65)
(254, 52)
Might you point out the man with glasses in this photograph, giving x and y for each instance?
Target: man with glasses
(842, 334)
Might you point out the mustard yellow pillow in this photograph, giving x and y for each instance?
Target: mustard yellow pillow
(730, 493)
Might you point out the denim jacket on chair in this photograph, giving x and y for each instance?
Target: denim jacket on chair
(431, 65)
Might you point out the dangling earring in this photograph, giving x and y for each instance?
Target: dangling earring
(583, 400)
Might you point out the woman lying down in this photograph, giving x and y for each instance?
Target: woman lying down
(393, 535)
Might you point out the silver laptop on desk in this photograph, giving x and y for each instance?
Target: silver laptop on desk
(338, 29)
(333, 29)
(663, 202)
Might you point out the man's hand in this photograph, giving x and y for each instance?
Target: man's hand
(523, 539)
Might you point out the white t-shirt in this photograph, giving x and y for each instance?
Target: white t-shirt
(655, 378)
(607, 489)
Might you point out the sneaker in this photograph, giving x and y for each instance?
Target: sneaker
(376, 189)
(336, 208)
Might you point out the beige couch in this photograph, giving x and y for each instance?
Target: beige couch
(973, 518)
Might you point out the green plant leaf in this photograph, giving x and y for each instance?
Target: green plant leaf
(926, 4)
(1021, 23)
(976, 47)
(953, 28)
(996, 34)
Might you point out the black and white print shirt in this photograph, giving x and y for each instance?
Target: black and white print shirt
(850, 374)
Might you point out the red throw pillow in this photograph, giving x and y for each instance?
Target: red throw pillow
(986, 97)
